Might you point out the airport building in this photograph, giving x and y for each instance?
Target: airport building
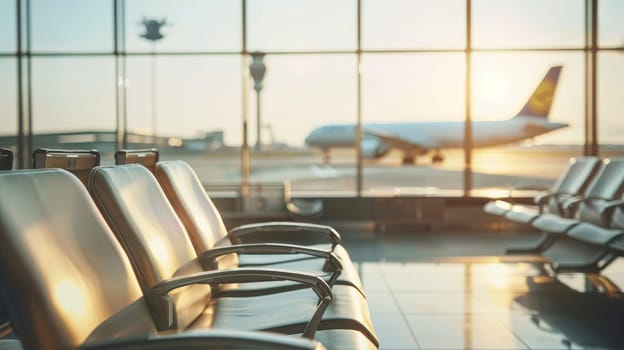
(457, 163)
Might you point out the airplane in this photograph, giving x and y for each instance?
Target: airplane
(418, 138)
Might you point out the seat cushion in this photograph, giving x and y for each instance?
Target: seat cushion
(349, 275)
(299, 262)
(594, 234)
(522, 214)
(344, 340)
(553, 223)
(270, 259)
(289, 312)
(497, 207)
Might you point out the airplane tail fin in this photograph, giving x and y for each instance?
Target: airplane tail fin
(540, 101)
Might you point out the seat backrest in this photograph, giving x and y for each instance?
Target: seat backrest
(65, 277)
(617, 220)
(573, 181)
(607, 185)
(6, 159)
(146, 157)
(577, 175)
(190, 201)
(78, 162)
(609, 182)
(159, 248)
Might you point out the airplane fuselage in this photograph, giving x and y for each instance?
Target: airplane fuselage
(420, 137)
(434, 135)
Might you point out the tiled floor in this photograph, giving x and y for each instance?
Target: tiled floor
(420, 299)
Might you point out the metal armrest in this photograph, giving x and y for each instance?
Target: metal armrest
(541, 197)
(210, 257)
(605, 206)
(572, 203)
(212, 339)
(322, 233)
(158, 297)
(577, 200)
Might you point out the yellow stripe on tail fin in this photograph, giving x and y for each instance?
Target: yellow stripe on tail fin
(540, 101)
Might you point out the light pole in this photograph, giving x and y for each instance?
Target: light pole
(257, 69)
(153, 34)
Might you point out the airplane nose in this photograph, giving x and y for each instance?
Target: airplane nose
(310, 139)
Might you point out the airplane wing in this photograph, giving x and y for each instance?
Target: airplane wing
(395, 141)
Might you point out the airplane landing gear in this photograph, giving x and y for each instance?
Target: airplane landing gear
(408, 159)
(326, 157)
(437, 157)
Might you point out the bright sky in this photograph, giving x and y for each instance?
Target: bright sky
(199, 93)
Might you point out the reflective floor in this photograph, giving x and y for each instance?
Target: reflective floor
(421, 301)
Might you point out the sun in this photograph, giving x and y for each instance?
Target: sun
(491, 91)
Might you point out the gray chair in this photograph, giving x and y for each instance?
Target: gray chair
(601, 244)
(595, 205)
(572, 182)
(70, 285)
(604, 185)
(207, 231)
(565, 245)
(162, 254)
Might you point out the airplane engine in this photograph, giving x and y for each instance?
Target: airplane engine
(374, 149)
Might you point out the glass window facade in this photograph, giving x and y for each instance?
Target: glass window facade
(413, 24)
(73, 94)
(302, 25)
(611, 24)
(301, 93)
(187, 26)
(89, 68)
(8, 23)
(71, 26)
(8, 101)
(503, 84)
(399, 92)
(528, 24)
(610, 103)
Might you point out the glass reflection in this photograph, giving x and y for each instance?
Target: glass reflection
(497, 304)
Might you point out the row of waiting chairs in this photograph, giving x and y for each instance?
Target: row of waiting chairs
(140, 258)
(581, 217)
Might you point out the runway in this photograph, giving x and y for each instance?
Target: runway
(492, 169)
